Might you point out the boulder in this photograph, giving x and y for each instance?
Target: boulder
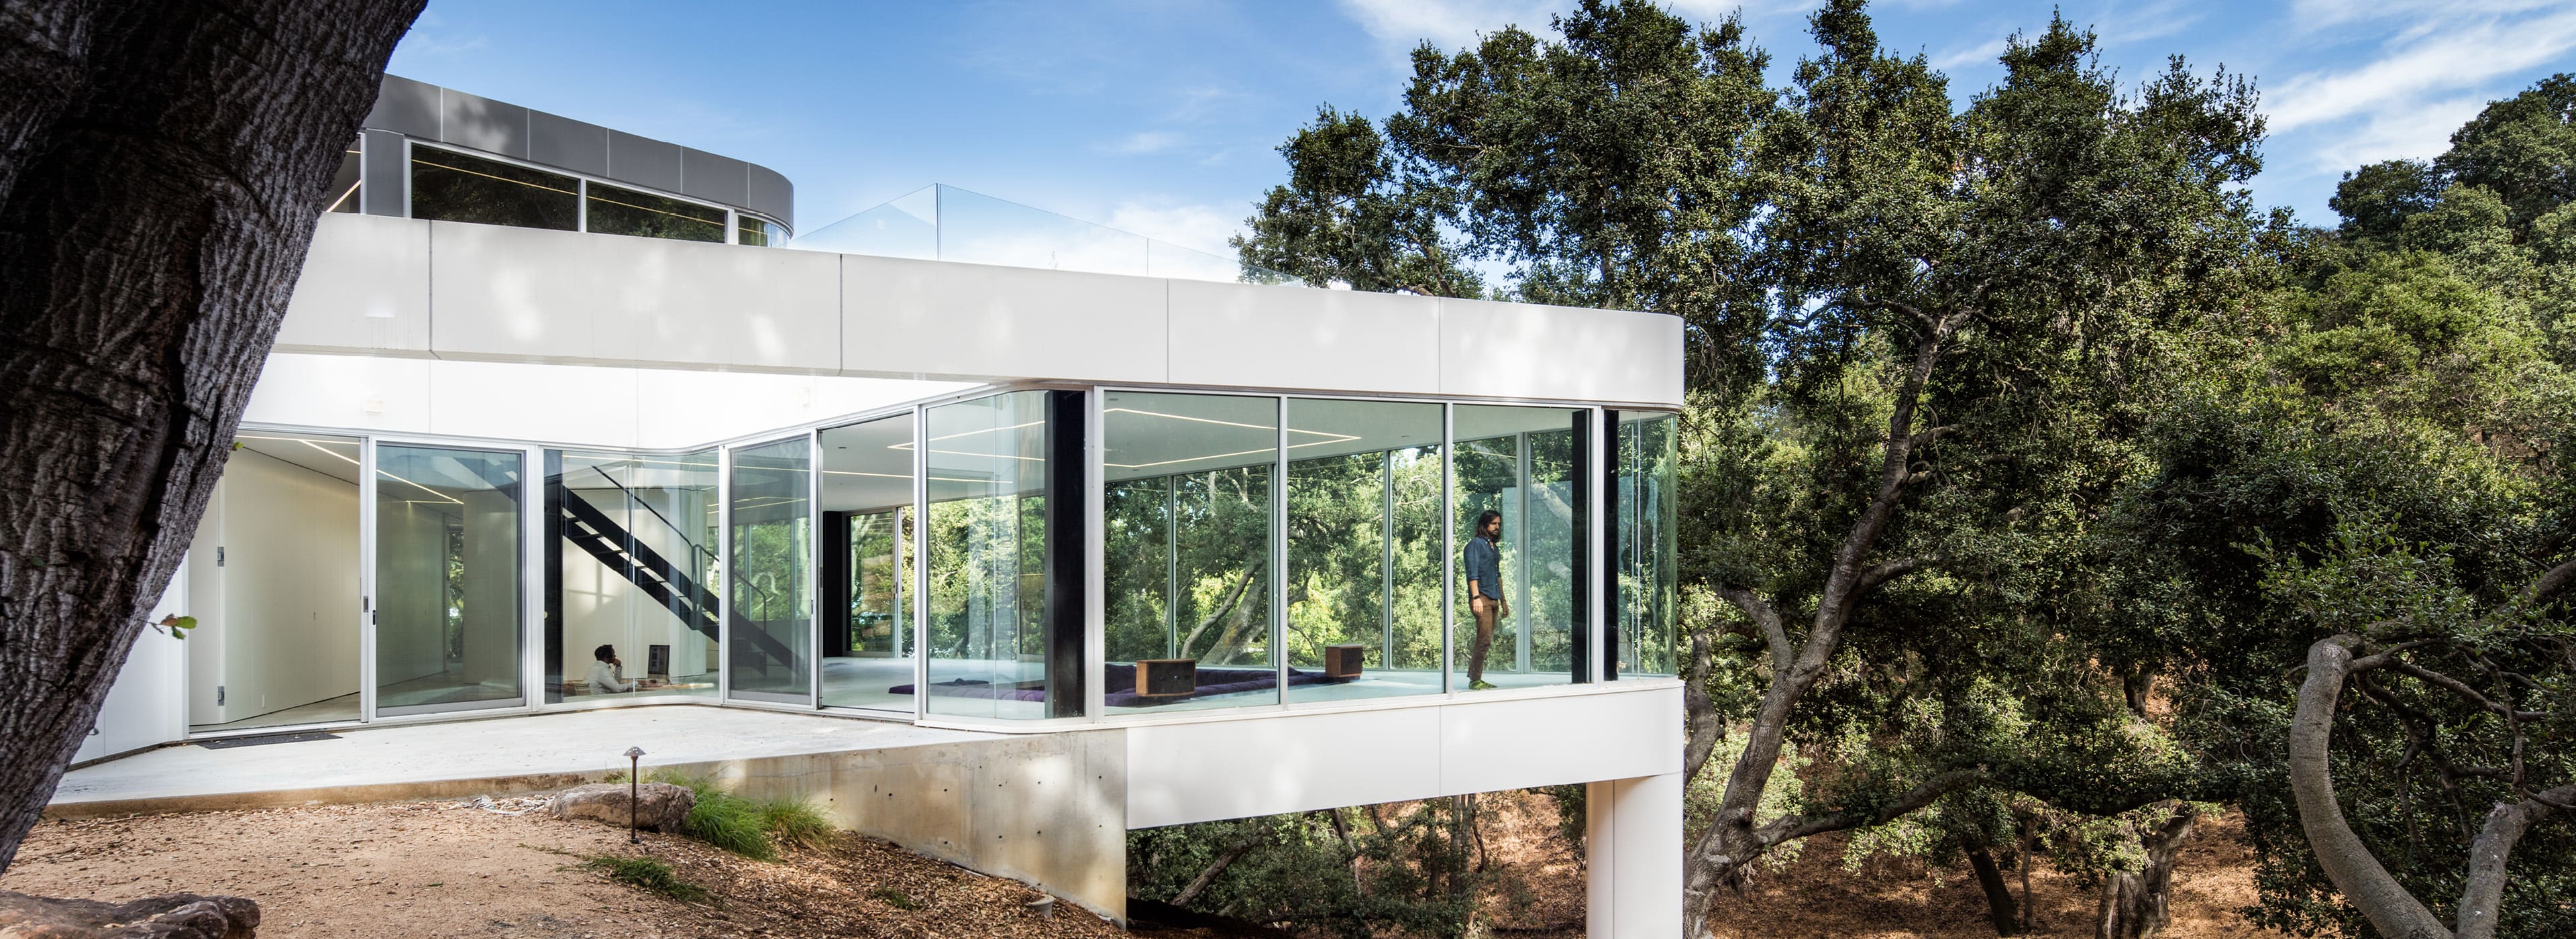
(659, 806)
(169, 916)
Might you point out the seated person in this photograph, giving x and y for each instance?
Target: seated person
(607, 674)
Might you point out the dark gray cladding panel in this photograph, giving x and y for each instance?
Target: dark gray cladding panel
(573, 145)
(405, 106)
(772, 195)
(711, 177)
(644, 161)
(482, 123)
(384, 192)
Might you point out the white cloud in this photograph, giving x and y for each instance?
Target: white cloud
(2421, 130)
(1983, 53)
(2423, 63)
(1450, 25)
(1146, 141)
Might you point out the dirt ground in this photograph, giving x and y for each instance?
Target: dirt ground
(449, 869)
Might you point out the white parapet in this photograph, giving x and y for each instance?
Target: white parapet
(406, 288)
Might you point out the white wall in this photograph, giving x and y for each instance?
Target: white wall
(525, 295)
(289, 626)
(144, 706)
(1243, 766)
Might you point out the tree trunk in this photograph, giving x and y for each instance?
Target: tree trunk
(1999, 898)
(2135, 903)
(161, 166)
(1250, 839)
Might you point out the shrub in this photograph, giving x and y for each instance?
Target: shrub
(751, 828)
(649, 875)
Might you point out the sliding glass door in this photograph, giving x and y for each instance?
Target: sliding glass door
(449, 595)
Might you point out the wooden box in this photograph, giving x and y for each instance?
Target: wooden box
(1344, 661)
(1164, 678)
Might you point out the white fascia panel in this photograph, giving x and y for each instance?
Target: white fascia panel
(365, 287)
(1294, 337)
(1517, 744)
(355, 392)
(511, 401)
(1200, 772)
(524, 294)
(935, 319)
(1525, 350)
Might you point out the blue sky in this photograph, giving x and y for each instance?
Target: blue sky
(1160, 116)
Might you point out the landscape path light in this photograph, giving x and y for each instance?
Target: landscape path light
(634, 785)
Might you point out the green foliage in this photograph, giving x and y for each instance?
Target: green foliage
(894, 898)
(753, 828)
(648, 875)
(1398, 870)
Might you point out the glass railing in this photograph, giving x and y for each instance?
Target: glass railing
(945, 223)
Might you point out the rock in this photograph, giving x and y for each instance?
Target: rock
(660, 806)
(169, 916)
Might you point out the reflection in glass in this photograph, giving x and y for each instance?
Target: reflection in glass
(343, 194)
(615, 210)
(753, 230)
(1645, 544)
(1363, 548)
(278, 620)
(1194, 471)
(634, 578)
(1521, 462)
(450, 186)
(768, 650)
(985, 543)
(448, 548)
(867, 543)
(945, 223)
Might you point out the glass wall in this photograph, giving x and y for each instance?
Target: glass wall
(867, 588)
(451, 186)
(1521, 463)
(753, 230)
(449, 541)
(1194, 471)
(769, 650)
(984, 545)
(1363, 549)
(614, 210)
(632, 607)
(1645, 543)
(343, 194)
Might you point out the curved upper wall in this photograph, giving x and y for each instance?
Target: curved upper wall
(428, 112)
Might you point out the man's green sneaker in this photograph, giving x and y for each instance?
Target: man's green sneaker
(1480, 685)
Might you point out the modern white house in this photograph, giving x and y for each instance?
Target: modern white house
(562, 418)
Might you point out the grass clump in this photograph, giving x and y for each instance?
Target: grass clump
(753, 828)
(647, 874)
(894, 898)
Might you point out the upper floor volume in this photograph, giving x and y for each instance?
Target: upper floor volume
(435, 153)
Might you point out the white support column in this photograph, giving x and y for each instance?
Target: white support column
(1633, 850)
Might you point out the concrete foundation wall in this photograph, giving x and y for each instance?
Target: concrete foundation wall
(1046, 809)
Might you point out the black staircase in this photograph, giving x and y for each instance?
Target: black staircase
(612, 545)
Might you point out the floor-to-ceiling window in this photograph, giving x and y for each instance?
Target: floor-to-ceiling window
(769, 646)
(1198, 470)
(632, 606)
(450, 539)
(1363, 549)
(867, 551)
(1523, 464)
(275, 583)
(1644, 543)
(983, 545)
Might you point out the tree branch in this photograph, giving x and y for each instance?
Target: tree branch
(1701, 723)
(2346, 860)
(2484, 892)
(2457, 687)
(1795, 827)
(1766, 619)
(1871, 579)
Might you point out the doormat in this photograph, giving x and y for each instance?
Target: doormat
(228, 743)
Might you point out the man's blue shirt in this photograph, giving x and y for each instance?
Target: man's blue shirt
(1485, 567)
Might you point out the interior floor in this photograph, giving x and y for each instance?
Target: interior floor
(326, 711)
